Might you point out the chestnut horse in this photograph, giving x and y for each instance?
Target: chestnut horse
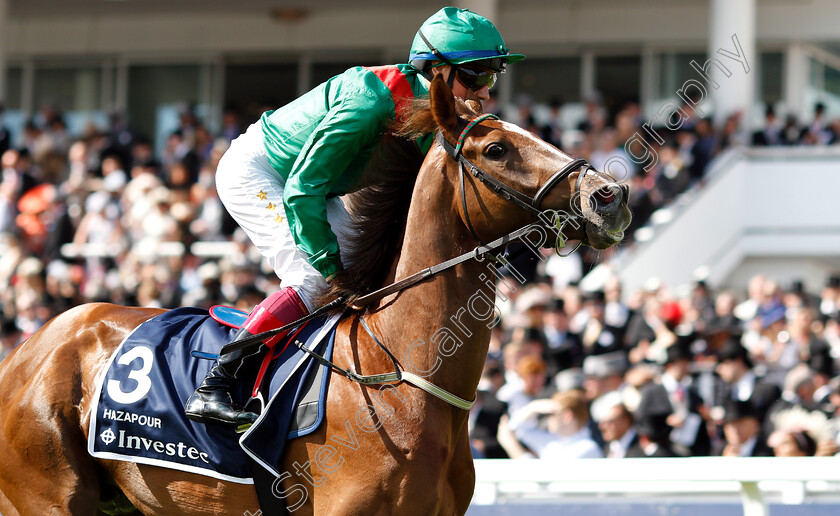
(395, 450)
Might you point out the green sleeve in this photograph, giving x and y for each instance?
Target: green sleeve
(350, 125)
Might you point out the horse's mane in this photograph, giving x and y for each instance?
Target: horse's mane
(379, 210)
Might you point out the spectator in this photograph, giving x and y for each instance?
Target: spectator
(702, 151)
(604, 374)
(569, 379)
(17, 169)
(563, 349)
(5, 136)
(552, 131)
(531, 305)
(563, 270)
(607, 151)
(531, 369)
(818, 131)
(715, 336)
(806, 344)
(616, 312)
(512, 353)
(617, 427)
(701, 303)
(724, 314)
(792, 443)
(772, 133)
(742, 432)
(598, 337)
(798, 393)
(567, 436)
(748, 309)
(596, 115)
(675, 397)
(654, 440)
(830, 297)
(791, 131)
(100, 224)
(8, 208)
(62, 285)
(730, 135)
(231, 125)
(486, 414)
(655, 331)
(735, 369)
(10, 337)
(209, 216)
(774, 347)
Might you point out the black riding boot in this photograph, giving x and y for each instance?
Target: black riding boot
(212, 401)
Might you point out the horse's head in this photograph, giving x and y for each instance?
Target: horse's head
(506, 176)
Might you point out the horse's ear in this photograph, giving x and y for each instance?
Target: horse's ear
(475, 106)
(443, 106)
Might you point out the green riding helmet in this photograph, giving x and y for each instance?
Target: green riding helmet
(458, 36)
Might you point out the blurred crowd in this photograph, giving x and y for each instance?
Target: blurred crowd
(682, 155)
(105, 216)
(574, 374)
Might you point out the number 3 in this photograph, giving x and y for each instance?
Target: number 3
(141, 376)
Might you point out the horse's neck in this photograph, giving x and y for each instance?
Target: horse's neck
(431, 322)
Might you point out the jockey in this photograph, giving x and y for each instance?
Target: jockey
(282, 179)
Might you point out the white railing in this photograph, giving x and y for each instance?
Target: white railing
(790, 480)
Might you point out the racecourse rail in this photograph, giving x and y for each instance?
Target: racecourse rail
(790, 479)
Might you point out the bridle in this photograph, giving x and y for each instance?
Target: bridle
(530, 204)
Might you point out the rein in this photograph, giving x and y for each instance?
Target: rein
(530, 204)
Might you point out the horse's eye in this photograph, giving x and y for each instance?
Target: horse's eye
(494, 150)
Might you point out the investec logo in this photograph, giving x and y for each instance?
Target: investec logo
(133, 442)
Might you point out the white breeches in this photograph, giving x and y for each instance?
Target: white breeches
(252, 192)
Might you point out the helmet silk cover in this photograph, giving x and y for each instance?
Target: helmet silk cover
(461, 36)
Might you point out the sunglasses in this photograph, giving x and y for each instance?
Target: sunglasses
(475, 78)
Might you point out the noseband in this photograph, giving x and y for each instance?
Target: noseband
(530, 204)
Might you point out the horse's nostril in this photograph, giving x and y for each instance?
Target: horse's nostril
(605, 195)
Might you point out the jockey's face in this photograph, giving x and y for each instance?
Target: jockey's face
(461, 91)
